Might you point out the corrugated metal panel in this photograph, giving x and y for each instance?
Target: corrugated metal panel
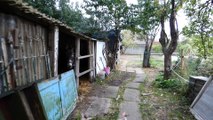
(59, 95)
(202, 107)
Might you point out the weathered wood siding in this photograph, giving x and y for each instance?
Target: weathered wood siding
(23, 52)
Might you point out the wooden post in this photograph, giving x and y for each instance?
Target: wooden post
(94, 57)
(77, 62)
(182, 60)
(53, 44)
(91, 60)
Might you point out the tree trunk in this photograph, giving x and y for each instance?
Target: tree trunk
(111, 51)
(169, 45)
(146, 56)
(167, 65)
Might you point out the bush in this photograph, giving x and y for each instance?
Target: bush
(170, 84)
(193, 64)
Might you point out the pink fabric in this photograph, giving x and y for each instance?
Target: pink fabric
(107, 70)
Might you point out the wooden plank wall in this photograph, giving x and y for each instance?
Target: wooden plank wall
(25, 51)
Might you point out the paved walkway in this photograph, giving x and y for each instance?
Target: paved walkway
(130, 107)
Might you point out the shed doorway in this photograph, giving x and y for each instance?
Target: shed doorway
(66, 57)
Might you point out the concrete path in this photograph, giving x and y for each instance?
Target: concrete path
(101, 101)
(107, 92)
(99, 106)
(131, 111)
(130, 107)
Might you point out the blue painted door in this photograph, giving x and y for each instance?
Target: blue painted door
(68, 91)
(50, 95)
(59, 95)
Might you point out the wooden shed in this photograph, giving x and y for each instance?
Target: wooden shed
(34, 48)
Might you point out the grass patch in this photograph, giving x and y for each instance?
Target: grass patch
(166, 100)
(156, 63)
(99, 81)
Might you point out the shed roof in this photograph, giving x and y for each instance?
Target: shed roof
(18, 7)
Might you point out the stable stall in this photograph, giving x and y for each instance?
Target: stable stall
(39, 54)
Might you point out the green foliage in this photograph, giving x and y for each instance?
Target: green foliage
(67, 13)
(192, 67)
(170, 84)
(201, 25)
(157, 48)
(127, 38)
(110, 14)
(164, 103)
(186, 47)
(78, 116)
(193, 45)
(206, 67)
(148, 17)
(41, 5)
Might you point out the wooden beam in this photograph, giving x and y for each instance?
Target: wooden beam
(56, 42)
(94, 58)
(85, 72)
(86, 56)
(77, 61)
(91, 60)
(53, 48)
